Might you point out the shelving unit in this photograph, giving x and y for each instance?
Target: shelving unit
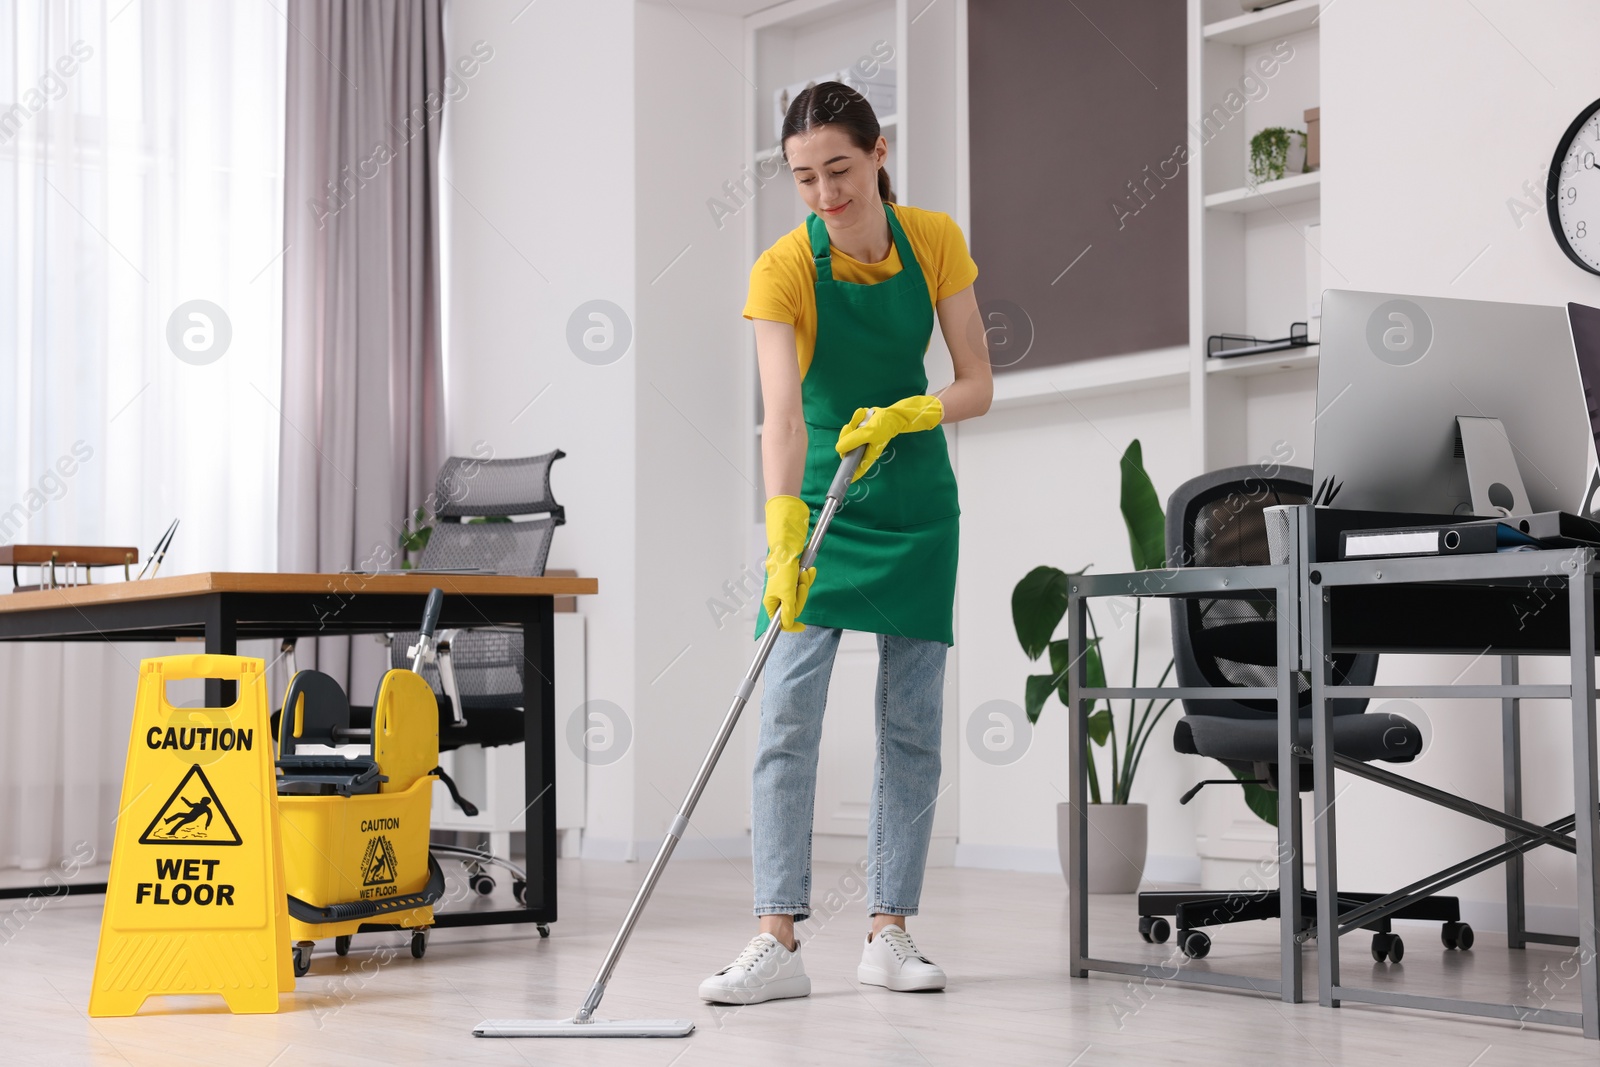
(1254, 267)
(1253, 270)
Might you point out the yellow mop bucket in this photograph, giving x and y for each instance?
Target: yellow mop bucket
(355, 829)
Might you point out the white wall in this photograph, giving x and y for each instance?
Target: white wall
(692, 452)
(579, 164)
(1040, 484)
(539, 217)
(1434, 114)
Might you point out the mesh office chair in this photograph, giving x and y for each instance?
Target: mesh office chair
(477, 674)
(1216, 520)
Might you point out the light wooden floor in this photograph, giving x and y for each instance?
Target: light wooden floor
(1000, 936)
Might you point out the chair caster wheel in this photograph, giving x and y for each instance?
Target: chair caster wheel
(341, 944)
(302, 958)
(1456, 936)
(482, 884)
(419, 943)
(1154, 929)
(519, 889)
(544, 929)
(1194, 944)
(1388, 947)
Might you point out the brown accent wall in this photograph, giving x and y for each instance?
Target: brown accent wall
(1070, 101)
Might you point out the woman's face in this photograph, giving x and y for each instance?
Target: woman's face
(836, 179)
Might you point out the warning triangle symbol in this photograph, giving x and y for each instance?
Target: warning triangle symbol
(192, 815)
(378, 865)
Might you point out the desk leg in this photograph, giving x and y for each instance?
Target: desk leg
(539, 752)
(1587, 824)
(1078, 756)
(221, 640)
(1511, 774)
(1290, 868)
(1320, 616)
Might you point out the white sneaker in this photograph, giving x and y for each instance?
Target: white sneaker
(892, 960)
(765, 970)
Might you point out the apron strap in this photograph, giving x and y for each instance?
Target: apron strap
(821, 251)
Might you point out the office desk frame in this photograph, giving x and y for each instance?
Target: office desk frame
(1278, 582)
(1575, 570)
(224, 608)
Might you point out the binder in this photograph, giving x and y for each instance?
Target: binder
(1459, 539)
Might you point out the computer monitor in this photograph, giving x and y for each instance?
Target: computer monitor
(1396, 371)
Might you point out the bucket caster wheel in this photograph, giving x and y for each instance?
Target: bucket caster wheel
(481, 884)
(1154, 929)
(519, 889)
(419, 943)
(1194, 944)
(544, 930)
(1388, 947)
(302, 958)
(341, 945)
(1456, 936)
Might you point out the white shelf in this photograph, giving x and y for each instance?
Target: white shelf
(1266, 363)
(1299, 189)
(885, 126)
(1260, 26)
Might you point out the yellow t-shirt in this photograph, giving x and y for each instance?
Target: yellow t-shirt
(783, 281)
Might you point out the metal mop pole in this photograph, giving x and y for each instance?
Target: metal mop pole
(835, 499)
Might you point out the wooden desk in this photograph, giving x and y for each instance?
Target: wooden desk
(223, 608)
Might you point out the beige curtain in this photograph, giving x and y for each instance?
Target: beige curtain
(362, 385)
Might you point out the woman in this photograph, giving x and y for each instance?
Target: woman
(843, 308)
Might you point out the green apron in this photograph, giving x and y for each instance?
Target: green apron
(888, 564)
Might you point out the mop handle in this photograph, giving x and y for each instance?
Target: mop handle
(835, 499)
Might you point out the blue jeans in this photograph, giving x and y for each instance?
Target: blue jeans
(905, 774)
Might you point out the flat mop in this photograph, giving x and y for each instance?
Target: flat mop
(584, 1024)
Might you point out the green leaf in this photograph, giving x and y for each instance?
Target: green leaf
(405, 564)
(490, 518)
(1141, 510)
(1040, 686)
(1094, 671)
(1263, 802)
(1037, 604)
(1100, 726)
(419, 517)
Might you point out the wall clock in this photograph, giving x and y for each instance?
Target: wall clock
(1573, 190)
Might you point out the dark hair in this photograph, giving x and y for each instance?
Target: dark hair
(836, 104)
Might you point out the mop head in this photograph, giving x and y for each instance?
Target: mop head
(592, 1028)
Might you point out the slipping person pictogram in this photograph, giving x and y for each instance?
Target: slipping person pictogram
(201, 821)
(196, 809)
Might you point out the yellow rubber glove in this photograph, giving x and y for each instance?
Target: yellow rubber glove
(874, 427)
(787, 585)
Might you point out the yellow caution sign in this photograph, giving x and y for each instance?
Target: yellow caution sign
(195, 901)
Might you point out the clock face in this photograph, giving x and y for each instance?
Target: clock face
(1574, 190)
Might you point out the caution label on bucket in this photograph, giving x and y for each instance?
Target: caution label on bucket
(195, 900)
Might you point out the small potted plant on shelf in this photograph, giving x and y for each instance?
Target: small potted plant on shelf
(1118, 828)
(1275, 152)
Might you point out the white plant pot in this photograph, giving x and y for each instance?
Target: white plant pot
(1295, 161)
(1118, 836)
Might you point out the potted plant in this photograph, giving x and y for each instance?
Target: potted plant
(1118, 828)
(1275, 152)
